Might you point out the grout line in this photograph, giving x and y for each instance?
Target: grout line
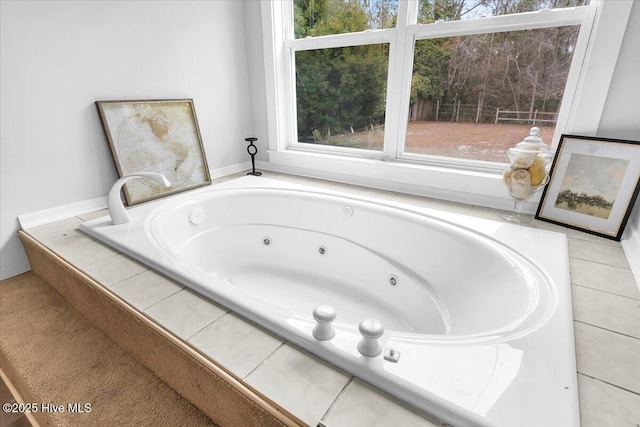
(282, 344)
(593, 238)
(143, 309)
(601, 263)
(605, 292)
(608, 383)
(165, 298)
(604, 242)
(227, 312)
(598, 262)
(120, 281)
(610, 245)
(335, 401)
(605, 329)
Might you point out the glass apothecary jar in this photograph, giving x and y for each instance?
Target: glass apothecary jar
(527, 173)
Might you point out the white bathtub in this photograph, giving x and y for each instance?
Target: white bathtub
(480, 311)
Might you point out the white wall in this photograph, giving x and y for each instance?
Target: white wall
(621, 119)
(621, 114)
(257, 84)
(57, 58)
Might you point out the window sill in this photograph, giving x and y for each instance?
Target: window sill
(457, 185)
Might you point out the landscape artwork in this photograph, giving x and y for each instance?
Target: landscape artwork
(591, 184)
(155, 136)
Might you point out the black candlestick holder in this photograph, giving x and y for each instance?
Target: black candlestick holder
(252, 150)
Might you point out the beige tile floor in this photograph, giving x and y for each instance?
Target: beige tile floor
(606, 305)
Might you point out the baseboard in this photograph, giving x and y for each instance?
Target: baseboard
(58, 213)
(229, 170)
(631, 246)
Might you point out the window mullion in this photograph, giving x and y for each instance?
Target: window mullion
(399, 74)
(571, 86)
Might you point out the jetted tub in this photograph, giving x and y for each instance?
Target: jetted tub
(478, 311)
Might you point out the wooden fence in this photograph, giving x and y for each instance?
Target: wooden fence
(525, 116)
(459, 112)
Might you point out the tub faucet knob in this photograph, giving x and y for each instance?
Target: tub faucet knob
(324, 315)
(371, 330)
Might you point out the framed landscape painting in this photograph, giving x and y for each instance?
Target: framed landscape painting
(594, 184)
(155, 136)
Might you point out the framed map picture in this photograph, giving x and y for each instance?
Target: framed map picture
(594, 184)
(155, 136)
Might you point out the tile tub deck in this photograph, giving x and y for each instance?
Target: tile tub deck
(606, 308)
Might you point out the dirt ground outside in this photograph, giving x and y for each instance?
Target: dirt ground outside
(481, 141)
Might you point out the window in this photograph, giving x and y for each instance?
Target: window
(340, 95)
(445, 81)
(474, 96)
(398, 168)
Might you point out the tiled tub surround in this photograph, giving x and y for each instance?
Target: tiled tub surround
(606, 305)
(485, 335)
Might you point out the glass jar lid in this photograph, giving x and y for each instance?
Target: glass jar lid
(533, 141)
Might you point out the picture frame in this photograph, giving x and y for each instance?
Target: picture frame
(155, 136)
(593, 186)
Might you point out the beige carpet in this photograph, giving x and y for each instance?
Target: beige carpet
(54, 355)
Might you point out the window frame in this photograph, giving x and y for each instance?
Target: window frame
(402, 39)
(292, 46)
(474, 181)
(546, 18)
